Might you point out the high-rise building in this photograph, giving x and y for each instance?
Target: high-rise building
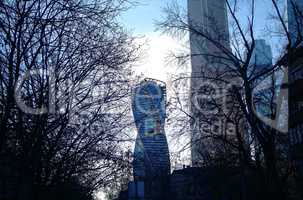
(151, 156)
(209, 19)
(295, 19)
(261, 60)
(261, 57)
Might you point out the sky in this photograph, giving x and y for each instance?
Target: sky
(140, 20)
(141, 17)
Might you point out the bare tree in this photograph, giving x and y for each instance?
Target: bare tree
(65, 81)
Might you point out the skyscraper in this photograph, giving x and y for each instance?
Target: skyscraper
(261, 57)
(261, 60)
(208, 17)
(295, 21)
(151, 156)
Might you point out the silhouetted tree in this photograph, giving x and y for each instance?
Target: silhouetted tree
(65, 80)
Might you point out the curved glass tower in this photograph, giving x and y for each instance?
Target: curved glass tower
(151, 155)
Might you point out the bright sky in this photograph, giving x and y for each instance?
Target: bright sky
(141, 21)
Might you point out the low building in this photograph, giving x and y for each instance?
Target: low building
(202, 183)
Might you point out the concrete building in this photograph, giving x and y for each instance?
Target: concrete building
(151, 164)
(208, 18)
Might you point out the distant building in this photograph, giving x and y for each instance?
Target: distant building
(267, 96)
(295, 21)
(151, 156)
(261, 60)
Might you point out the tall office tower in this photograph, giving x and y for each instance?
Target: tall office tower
(261, 57)
(261, 60)
(151, 157)
(295, 19)
(210, 18)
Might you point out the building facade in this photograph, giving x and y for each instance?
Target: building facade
(294, 63)
(261, 57)
(209, 19)
(295, 21)
(296, 112)
(151, 155)
(261, 60)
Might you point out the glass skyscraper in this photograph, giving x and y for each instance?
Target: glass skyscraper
(151, 155)
(295, 24)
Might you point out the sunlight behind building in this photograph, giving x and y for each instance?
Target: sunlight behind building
(156, 59)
